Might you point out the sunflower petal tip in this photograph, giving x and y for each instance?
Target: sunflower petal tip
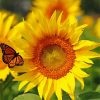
(19, 88)
(25, 91)
(82, 87)
(54, 14)
(59, 18)
(14, 80)
(85, 25)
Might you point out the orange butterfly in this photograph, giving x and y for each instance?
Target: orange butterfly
(10, 56)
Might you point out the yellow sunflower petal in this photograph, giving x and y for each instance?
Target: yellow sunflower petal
(47, 89)
(77, 71)
(80, 80)
(3, 15)
(64, 85)
(4, 73)
(35, 82)
(16, 35)
(76, 35)
(74, 9)
(86, 54)
(13, 73)
(41, 87)
(51, 91)
(59, 20)
(22, 84)
(53, 23)
(82, 64)
(58, 90)
(70, 79)
(24, 68)
(36, 76)
(26, 53)
(8, 24)
(70, 24)
(86, 44)
(19, 41)
(73, 32)
(32, 32)
(84, 59)
(24, 28)
(14, 32)
(43, 23)
(38, 24)
(25, 76)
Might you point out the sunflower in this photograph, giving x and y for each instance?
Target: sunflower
(49, 6)
(54, 55)
(7, 20)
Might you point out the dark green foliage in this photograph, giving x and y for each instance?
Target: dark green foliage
(21, 7)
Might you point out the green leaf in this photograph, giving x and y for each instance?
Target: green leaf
(90, 96)
(54, 97)
(98, 88)
(28, 96)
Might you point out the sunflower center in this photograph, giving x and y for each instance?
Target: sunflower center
(54, 57)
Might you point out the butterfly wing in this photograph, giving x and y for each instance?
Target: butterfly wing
(10, 56)
(17, 61)
(8, 53)
(7, 58)
(7, 50)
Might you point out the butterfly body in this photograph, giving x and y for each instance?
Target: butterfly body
(10, 56)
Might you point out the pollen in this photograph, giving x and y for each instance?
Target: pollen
(54, 57)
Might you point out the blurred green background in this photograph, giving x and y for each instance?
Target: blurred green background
(8, 88)
(23, 6)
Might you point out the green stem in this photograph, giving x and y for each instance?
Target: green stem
(7, 83)
(1, 90)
